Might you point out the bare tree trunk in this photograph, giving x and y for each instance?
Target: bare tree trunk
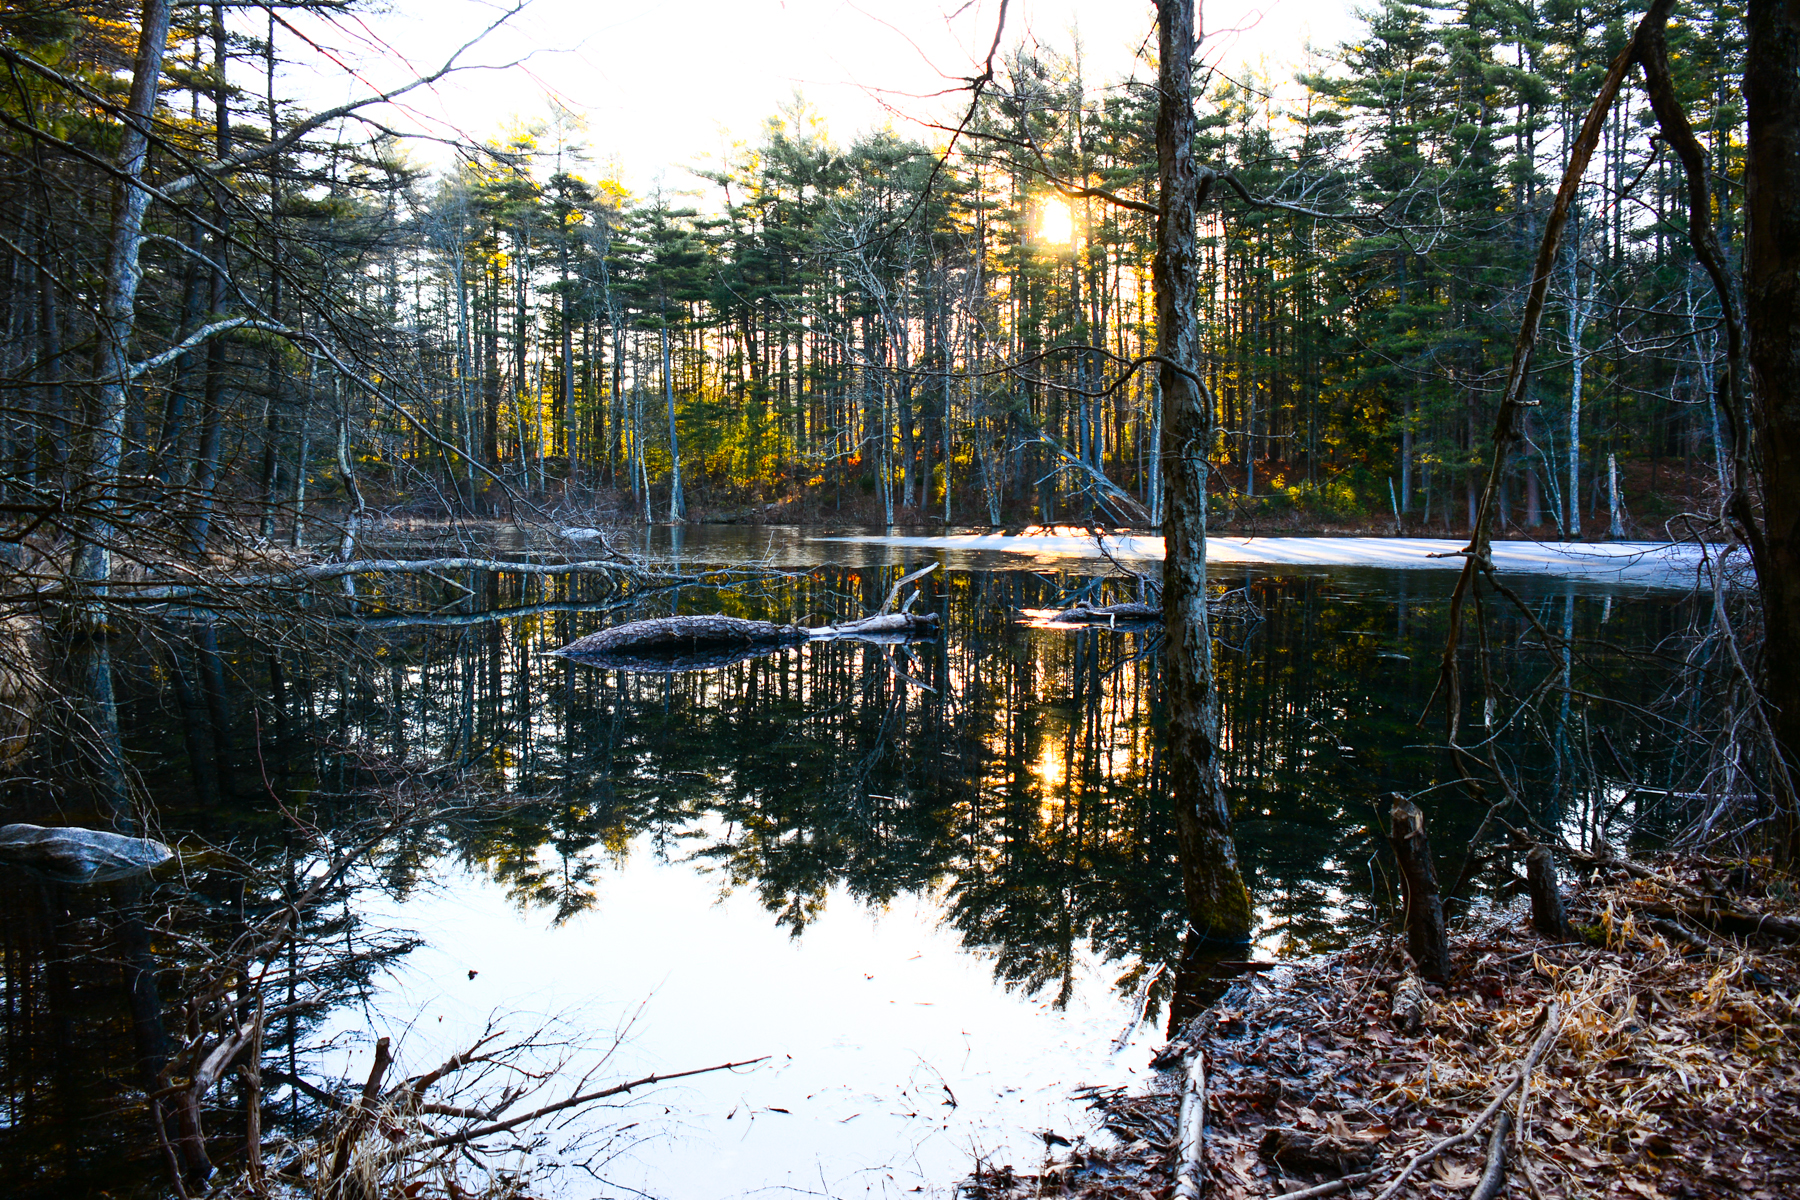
(1578, 318)
(677, 504)
(118, 305)
(174, 425)
(1772, 311)
(50, 331)
(206, 454)
(353, 520)
(92, 663)
(1218, 903)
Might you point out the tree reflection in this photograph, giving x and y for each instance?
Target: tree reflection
(1013, 774)
(1014, 771)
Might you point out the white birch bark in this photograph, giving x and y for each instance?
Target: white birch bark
(118, 305)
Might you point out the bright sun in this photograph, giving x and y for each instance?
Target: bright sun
(1059, 223)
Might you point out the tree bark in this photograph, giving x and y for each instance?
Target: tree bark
(684, 633)
(1425, 934)
(1217, 901)
(1772, 317)
(1546, 894)
(677, 502)
(118, 305)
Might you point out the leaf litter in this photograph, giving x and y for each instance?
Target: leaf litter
(1673, 1075)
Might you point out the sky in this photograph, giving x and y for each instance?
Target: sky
(666, 86)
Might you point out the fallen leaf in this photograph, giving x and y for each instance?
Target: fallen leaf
(1454, 1176)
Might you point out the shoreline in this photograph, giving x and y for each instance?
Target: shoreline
(1624, 562)
(1669, 1072)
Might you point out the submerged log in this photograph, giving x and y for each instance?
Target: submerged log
(913, 624)
(80, 855)
(706, 642)
(1131, 613)
(675, 635)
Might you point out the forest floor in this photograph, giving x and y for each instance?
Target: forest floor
(1673, 1071)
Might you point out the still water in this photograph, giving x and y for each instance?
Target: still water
(930, 888)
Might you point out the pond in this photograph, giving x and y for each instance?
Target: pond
(933, 889)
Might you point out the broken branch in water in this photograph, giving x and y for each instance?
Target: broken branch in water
(325, 572)
(1111, 615)
(694, 634)
(894, 593)
(618, 1089)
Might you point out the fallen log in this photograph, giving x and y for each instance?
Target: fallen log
(699, 643)
(1132, 614)
(1709, 911)
(298, 577)
(1111, 615)
(678, 634)
(1725, 920)
(77, 855)
(1189, 1180)
(914, 624)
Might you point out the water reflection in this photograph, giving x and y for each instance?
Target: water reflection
(1023, 775)
(1009, 775)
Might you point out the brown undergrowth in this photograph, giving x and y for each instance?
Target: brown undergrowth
(1673, 1072)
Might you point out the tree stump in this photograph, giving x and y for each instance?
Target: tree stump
(1547, 914)
(1426, 939)
(1408, 1011)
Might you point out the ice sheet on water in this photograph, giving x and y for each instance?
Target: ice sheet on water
(1623, 562)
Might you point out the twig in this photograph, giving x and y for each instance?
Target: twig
(1494, 1178)
(470, 1135)
(1552, 1026)
(1329, 1189)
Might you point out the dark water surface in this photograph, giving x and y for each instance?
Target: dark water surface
(930, 885)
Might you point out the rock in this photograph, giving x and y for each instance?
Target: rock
(76, 855)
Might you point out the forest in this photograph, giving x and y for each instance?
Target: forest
(442, 578)
(877, 325)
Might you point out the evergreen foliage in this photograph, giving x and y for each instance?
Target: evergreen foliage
(833, 321)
